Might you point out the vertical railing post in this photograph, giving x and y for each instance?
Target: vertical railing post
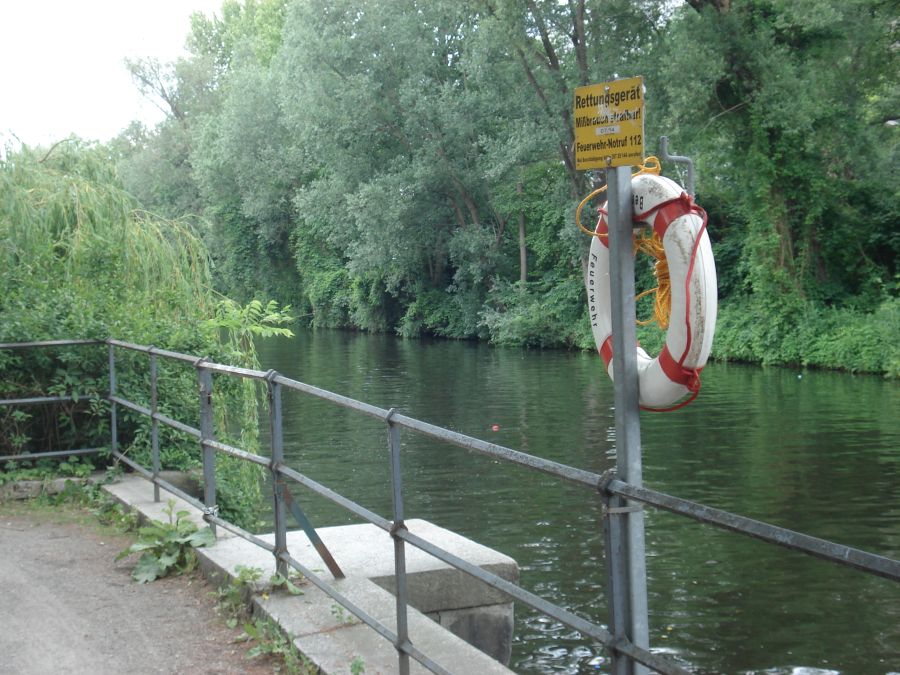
(207, 433)
(154, 425)
(399, 547)
(616, 553)
(276, 433)
(626, 522)
(113, 420)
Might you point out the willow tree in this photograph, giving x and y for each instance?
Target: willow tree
(81, 260)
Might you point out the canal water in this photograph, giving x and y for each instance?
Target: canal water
(816, 452)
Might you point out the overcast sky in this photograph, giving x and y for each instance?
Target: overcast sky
(61, 63)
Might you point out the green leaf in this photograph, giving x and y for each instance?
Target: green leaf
(168, 560)
(147, 569)
(204, 537)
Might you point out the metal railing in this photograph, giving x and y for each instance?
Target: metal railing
(618, 497)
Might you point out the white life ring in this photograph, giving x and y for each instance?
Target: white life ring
(681, 225)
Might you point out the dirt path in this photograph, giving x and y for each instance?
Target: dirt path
(66, 606)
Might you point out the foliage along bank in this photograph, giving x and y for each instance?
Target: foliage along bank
(80, 260)
(407, 166)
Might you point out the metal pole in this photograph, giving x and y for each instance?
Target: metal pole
(678, 159)
(616, 551)
(277, 435)
(154, 426)
(113, 430)
(204, 377)
(627, 411)
(399, 546)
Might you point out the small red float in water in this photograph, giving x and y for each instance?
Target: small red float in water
(495, 427)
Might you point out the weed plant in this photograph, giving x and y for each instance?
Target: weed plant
(167, 547)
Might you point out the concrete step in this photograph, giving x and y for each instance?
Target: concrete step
(442, 597)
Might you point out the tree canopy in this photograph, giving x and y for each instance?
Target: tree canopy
(403, 165)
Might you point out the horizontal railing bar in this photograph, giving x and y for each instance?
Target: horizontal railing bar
(320, 489)
(343, 401)
(49, 455)
(240, 532)
(178, 356)
(194, 360)
(159, 417)
(236, 452)
(129, 345)
(364, 616)
(820, 548)
(45, 399)
(569, 473)
(572, 620)
(175, 424)
(248, 373)
(131, 406)
(583, 626)
(48, 343)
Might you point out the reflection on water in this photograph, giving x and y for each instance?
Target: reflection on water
(815, 452)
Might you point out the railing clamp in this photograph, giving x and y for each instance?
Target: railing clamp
(606, 478)
(389, 415)
(200, 360)
(211, 511)
(397, 526)
(620, 645)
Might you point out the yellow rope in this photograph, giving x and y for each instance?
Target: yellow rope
(650, 165)
(651, 245)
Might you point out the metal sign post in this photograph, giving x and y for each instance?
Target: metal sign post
(609, 133)
(630, 530)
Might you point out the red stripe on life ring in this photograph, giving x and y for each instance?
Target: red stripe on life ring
(668, 212)
(606, 351)
(679, 374)
(602, 229)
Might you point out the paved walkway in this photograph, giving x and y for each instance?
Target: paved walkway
(66, 606)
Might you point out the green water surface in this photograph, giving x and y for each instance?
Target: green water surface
(817, 452)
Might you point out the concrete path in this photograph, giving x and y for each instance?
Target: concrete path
(66, 606)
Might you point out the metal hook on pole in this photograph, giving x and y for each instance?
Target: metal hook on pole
(678, 159)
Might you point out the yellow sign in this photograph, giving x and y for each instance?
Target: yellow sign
(609, 124)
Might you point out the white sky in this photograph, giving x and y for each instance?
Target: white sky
(61, 63)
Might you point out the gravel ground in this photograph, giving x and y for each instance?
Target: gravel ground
(66, 605)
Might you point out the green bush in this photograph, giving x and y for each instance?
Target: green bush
(811, 335)
(550, 313)
(80, 260)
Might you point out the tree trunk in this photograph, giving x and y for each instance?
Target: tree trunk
(523, 253)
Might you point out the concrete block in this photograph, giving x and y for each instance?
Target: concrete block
(333, 638)
(329, 636)
(489, 628)
(136, 492)
(368, 551)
